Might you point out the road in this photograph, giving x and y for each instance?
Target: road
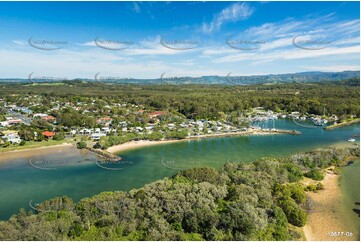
(17, 115)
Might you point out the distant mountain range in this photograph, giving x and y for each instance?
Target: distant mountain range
(229, 79)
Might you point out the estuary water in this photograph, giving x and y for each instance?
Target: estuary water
(43, 174)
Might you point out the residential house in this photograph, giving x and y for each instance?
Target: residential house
(48, 134)
(155, 114)
(97, 136)
(14, 121)
(48, 118)
(105, 121)
(12, 138)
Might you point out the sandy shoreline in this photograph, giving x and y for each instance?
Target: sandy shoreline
(144, 143)
(324, 216)
(139, 144)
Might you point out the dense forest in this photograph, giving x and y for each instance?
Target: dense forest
(260, 200)
(207, 101)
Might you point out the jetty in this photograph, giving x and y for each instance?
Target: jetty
(246, 133)
(342, 124)
(104, 154)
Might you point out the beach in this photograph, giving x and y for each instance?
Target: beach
(138, 144)
(326, 217)
(144, 143)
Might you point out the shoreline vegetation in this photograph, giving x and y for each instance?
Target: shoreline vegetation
(35, 146)
(342, 124)
(260, 200)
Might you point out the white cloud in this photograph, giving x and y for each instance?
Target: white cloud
(148, 58)
(233, 13)
(340, 38)
(89, 43)
(333, 68)
(19, 42)
(149, 46)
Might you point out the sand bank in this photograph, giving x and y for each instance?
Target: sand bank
(324, 216)
(138, 144)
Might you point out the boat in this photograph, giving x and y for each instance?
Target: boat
(318, 123)
(351, 140)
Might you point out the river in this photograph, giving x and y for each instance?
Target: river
(41, 175)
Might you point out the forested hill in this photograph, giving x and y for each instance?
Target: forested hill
(262, 200)
(227, 79)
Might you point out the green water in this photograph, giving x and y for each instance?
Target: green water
(81, 177)
(350, 186)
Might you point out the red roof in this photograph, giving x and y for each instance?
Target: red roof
(48, 134)
(47, 118)
(105, 119)
(156, 113)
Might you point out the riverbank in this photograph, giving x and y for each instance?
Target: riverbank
(343, 124)
(144, 143)
(31, 145)
(23, 153)
(138, 144)
(325, 213)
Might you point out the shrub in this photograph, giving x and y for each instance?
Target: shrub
(294, 172)
(58, 136)
(154, 136)
(311, 188)
(177, 134)
(81, 145)
(297, 193)
(315, 174)
(295, 214)
(320, 186)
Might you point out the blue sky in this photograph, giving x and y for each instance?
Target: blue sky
(146, 39)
